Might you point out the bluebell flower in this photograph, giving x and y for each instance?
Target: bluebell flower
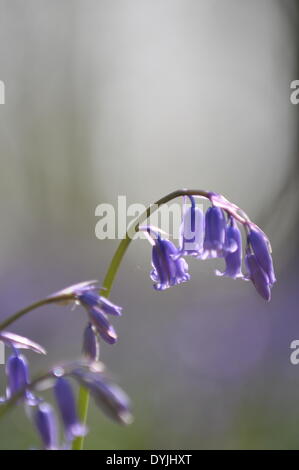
(99, 319)
(17, 372)
(192, 230)
(215, 234)
(260, 248)
(90, 298)
(233, 259)
(168, 269)
(17, 369)
(113, 401)
(258, 276)
(67, 406)
(97, 307)
(91, 346)
(46, 424)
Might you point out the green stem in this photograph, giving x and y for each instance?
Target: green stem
(83, 403)
(83, 400)
(35, 305)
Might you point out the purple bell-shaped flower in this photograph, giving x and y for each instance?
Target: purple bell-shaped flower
(192, 230)
(260, 248)
(46, 424)
(215, 230)
(258, 276)
(17, 372)
(168, 269)
(91, 346)
(67, 406)
(98, 308)
(233, 259)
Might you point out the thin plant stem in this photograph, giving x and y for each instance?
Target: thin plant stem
(83, 399)
(34, 306)
(83, 404)
(113, 268)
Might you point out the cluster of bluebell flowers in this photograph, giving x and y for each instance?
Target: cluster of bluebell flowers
(88, 371)
(215, 234)
(111, 398)
(98, 310)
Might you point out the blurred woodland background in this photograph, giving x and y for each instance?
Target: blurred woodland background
(138, 98)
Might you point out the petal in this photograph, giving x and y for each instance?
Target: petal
(258, 276)
(215, 225)
(109, 397)
(102, 325)
(169, 269)
(160, 264)
(192, 232)
(261, 250)
(91, 347)
(233, 259)
(67, 406)
(74, 289)
(46, 424)
(20, 342)
(108, 307)
(17, 371)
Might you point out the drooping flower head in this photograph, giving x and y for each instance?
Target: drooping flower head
(46, 424)
(215, 230)
(67, 406)
(261, 249)
(114, 402)
(17, 372)
(192, 230)
(168, 268)
(259, 263)
(91, 346)
(96, 310)
(257, 275)
(17, 368)
(97, 307)
(232, 251)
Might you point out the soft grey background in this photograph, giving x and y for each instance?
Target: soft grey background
(138, 98)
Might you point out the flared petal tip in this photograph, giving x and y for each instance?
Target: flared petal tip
(265, 294)
(238, 275)
(109, 336)
(126, 418)
(77, 430)
(158, 286)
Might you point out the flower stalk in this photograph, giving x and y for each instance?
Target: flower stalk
(224, 247)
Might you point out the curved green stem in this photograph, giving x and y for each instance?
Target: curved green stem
(83, 400)
(124, 244)
(117, 258)
(34, 306)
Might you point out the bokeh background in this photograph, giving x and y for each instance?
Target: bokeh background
(138, 98)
